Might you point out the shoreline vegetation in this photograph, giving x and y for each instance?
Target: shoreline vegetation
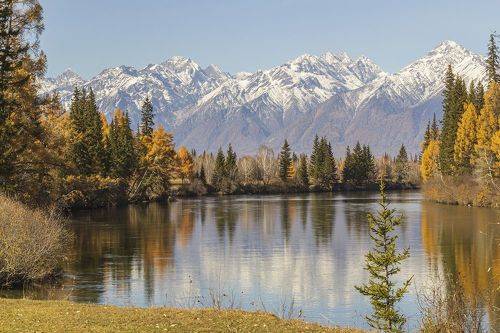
(460, 161)
(33, 245)
(64, 316)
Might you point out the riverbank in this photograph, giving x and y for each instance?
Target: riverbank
(62, 316)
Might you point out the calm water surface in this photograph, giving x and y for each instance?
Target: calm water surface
(273, 252)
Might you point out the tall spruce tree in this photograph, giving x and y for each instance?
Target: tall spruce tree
(285, 161)
(492, 62)
(231, 167)
(313, 168)
(147, 117)
(123, 154)
(94, 134)
(401, 165)
(453, 106)
(219, 170)
(383, 262)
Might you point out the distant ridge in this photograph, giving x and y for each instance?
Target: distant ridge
(330, 95)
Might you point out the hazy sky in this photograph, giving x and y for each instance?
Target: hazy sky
(91, 35)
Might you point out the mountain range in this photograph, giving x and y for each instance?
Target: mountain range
(347, 100)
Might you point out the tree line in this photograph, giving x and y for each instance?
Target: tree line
(287, 171)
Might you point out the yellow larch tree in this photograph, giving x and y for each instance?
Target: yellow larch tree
(466, 140)
(429, 165)
(487, 125)
(186, 164)
(157, 166)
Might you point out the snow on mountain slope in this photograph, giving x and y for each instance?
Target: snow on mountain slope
(392, 109)
(333, 95)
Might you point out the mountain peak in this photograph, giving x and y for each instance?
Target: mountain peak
(448, 46)
(68, 74)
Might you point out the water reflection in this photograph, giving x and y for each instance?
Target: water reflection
(272, 249)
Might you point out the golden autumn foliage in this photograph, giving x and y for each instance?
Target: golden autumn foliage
(429, 165)
(157, 165)
(186, 163)
(466, 139)
(487, 123)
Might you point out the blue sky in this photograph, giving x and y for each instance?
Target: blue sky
(91, 35)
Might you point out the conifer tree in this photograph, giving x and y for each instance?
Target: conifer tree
(21, 64)
(87, 143)
(471, 97)
(220, 169)
(383, 262)
(466, 140)
(347, 171)
(94, 133)
(123, 155)
(313, 169)
(401, 165)
(147, 117)
(231, 168)
(302, 172)
(367, 171)
(492, 61)
(434, 129)
(427, 136)
(202, 175)
(284, 161)
(453, 105)
(479, 102)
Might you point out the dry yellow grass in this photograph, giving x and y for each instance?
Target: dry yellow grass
(63, 316)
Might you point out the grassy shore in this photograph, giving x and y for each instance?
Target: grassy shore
(62, 316)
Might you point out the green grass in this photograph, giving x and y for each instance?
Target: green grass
(62, 316)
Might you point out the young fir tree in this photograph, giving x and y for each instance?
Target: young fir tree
(302, 172)
(147, 118)
(383, 262)
(401, 165)
(492, 62)
(219, 170)
(285, 160)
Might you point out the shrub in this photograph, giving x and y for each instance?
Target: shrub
(33, 244)
(92, 191)
(446, 308)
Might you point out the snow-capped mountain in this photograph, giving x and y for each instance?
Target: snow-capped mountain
(332, 95)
